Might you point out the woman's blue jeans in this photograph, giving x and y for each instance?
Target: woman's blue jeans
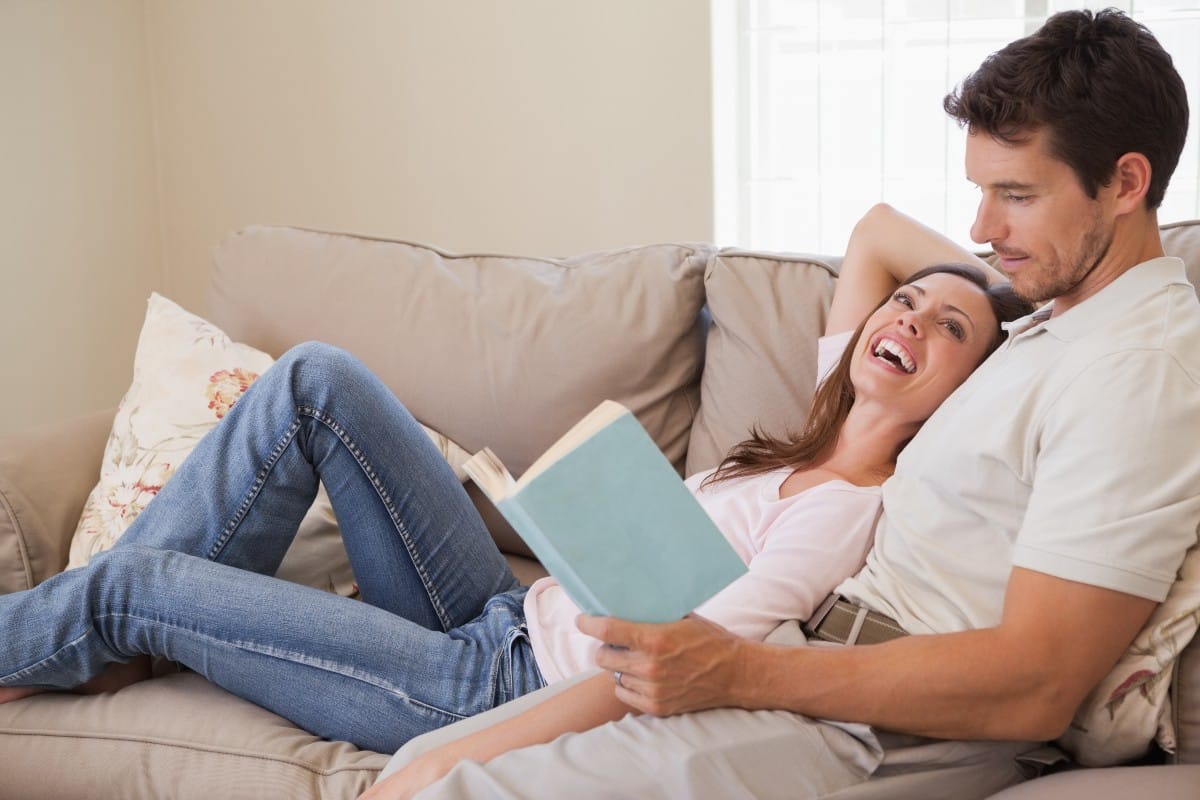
(439, 634)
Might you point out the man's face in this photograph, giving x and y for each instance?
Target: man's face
(1048, 233)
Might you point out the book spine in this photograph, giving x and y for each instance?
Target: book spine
(548, 554)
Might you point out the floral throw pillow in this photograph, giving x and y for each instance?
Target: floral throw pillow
(187, 375)
(1131, 706)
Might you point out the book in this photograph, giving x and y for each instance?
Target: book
(611, 520)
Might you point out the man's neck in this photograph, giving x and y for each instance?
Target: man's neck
(1135, 240)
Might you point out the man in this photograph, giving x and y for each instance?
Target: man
(1031, 526)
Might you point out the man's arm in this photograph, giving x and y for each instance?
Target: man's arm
(885, 248)
(1022, 679)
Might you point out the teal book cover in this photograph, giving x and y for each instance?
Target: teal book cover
(612, 521)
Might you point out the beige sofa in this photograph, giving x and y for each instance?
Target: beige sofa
(489, 350)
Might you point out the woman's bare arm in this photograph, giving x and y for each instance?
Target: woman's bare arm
(586, 705)
(885, 248)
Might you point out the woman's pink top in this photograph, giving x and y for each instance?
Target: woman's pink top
(797, 550)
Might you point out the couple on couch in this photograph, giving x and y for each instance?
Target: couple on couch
(1018, 532)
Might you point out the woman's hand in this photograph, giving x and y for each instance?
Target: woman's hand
(580, 706)
(412, 778)
(670, 668)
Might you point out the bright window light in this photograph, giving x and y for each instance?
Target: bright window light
(823, 107)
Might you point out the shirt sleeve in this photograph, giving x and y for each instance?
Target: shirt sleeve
(1114, 500)
(819, 541)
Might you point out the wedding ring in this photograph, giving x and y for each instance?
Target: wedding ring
(617, 679)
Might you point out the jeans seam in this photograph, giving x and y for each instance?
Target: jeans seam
(292, 657)
(31, 670)
(260, 480)
(401, 529)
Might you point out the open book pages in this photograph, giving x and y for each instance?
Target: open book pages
(486, 469)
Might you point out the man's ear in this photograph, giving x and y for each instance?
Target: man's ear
(1131, 179)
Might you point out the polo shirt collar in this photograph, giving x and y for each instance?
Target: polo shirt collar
(1129, 290)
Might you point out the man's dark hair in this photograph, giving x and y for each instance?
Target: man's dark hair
(1100, 85)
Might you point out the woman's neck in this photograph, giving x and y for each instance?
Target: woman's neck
(867, 445)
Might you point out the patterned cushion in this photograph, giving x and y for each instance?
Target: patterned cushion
(187, 374)
(1132, 706)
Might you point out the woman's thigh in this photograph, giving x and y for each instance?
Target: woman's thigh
(417, 545)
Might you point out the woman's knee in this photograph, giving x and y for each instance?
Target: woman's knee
(317, 355)
(317, 365)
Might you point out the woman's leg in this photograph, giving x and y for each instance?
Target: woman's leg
(416, 543)
(335, 666)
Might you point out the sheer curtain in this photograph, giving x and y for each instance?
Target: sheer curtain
(823, 107)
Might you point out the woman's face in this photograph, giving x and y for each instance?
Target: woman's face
(921, 344)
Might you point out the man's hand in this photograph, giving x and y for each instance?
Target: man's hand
(670, 668)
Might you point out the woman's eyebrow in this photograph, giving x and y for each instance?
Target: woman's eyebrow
(949, 306)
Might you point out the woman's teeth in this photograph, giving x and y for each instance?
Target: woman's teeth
(893, 352)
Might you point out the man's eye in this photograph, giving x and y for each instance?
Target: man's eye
(1016, 198)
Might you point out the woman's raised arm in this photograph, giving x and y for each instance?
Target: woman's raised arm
(885, 248)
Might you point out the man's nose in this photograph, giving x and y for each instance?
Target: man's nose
(988, 223)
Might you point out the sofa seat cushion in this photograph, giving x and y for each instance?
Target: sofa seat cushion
(176, 736)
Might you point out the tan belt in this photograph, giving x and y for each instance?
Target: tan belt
(839, 620)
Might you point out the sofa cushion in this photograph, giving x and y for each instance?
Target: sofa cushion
(1185, 706)
(760, 368)
(177, 736)
(1182, 240)
(45, 475)
(491, 350)
(1131, 706)
(187, 374)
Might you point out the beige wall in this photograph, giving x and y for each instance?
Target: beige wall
(79, 223)
(539, 126)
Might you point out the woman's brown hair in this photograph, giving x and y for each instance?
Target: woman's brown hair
(835, 395)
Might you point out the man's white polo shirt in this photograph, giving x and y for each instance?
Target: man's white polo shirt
(1073, 451)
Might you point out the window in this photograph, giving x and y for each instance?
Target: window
(823, 107)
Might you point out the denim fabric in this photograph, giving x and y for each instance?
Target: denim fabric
(440, 632)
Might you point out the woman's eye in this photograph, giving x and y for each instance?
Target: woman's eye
(903, 299)
(956, 330)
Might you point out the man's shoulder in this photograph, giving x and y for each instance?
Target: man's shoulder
(1165, 320)
(1151, 342)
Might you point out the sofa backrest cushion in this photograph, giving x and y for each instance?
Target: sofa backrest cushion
(1182, 239)
(490, 350)
(767, 310)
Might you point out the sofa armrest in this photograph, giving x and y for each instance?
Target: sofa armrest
(1185, 704)
(45, 477)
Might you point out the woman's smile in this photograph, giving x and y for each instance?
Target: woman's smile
(894, 354)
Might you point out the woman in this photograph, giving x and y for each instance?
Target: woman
(444, 630)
